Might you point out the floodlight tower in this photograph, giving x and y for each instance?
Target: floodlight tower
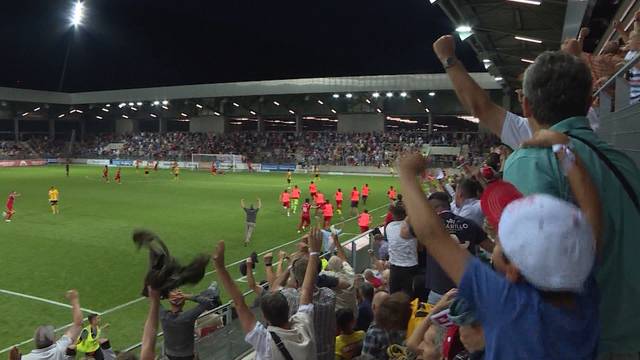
(75, 21)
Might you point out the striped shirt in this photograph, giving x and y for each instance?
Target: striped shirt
(634, 79)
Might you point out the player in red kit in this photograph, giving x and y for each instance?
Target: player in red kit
(313, 189)
(105, 173)
(392, 194)
(339, 196)
(118, 177)
(305, 218)
(355, 198)
(285, 199)
(8, 214)
(365, 194)
(327, 212)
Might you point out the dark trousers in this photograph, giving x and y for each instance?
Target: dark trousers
(401, 278)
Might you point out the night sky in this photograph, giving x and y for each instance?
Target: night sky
(142, 43)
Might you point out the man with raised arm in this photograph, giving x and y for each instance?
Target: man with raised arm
(252, 214)
(283, 337)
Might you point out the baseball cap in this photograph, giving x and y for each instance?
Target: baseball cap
(549, 240)
(495, 197)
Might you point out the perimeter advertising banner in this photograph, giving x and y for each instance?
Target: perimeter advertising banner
(21, 163)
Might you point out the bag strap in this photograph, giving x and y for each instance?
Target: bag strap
(280, 345)
(623, 180)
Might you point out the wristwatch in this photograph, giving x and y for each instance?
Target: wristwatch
(449, 62)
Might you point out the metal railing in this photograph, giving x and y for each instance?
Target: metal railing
(621, 89)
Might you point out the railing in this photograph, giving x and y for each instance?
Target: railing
(621, 92)
(227, 342)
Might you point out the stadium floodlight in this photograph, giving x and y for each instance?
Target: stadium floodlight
(80, 111)
(276, 103)
(164, 107)
(77, 14)
(433, 1)
(25, 114)
(528, 39)
(498, 78)
(165, 102)
(139, 103)
(334, 111)
(131, 104)
(528, 2)
(236, 104)
(108, 105)
(121, 105)
(320, 102)
(528, 61)
(156, 103)
(403, 94)
(199, 106)
(36, 109)
(432, 93)
(183, 114)
(349, 95)
(99, 117)
(464, 31)
(426, 109)
(61, 116)
(216, 113)
(105, 109)
(419, 100)
(252, 112)
(376, 95)
(378, 110)
(134, 109)
(368, 101)
(486, 61)
(335, 96)
(153, 115)
(125, 116)
(291, 112)
(389, 94)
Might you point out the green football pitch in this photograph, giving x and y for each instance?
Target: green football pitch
(88, 246)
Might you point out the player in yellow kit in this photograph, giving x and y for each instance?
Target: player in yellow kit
(176, 171)
(54, 196)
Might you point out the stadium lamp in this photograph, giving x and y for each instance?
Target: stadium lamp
(528, 39)
(368, 101)
(216, 113)
(334, 111)
(236, 104)
(433, 1)
(464, 31)
(36, 109)
(131, 104)
(99, 117)
(528, 61)
(139, 103)
(77, 15)
(25, 114)
(276, 103)
(403, 94)
(349, 96)
(125, 116)
(528, 2)
(153, 115)
(498, 78)
(61, 116)
(335, 96)
(292, 112)
(165, 102)
(419, 100)
(379, 111)
(389, 94)
(164, 107)
(252, 112)
(183, 114)
(320, 102)
(376, 95)
(432, 93)
(156, 103)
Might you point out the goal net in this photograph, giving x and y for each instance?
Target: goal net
(230, 162)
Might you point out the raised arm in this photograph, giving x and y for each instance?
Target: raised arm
(259, 203)
(148, 349)
(247, 318)
(251, 281)
(474, 99)
(242, 203)
(340, 250)
(74, 331)
(620, 29)
(282, 257)
(311, 274)
(429, 229)
(268, 268)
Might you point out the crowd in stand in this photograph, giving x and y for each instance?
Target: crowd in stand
(531, 256)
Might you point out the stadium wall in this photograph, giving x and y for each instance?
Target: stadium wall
(620, 129)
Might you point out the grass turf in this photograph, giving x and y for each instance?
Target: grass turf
(88, 245)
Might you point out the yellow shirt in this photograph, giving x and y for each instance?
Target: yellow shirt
(347, 345)
(53, 195)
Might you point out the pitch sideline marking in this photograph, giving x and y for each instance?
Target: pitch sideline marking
(36, 298)
(137, 300)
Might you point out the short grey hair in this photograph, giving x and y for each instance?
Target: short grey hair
(557, 86)
(44, 336)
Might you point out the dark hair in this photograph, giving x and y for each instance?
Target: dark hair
(469, 188)
(493, 160)
(398, 212)
(394, 312)
(344, 319)
(306, 200)
(339, 189)
(557, 86)
(399, 197)
(367, 291)
(355, 188)
(275, 308)
(440, 199)
(91, 317)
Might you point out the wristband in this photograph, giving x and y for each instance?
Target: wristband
(568, 161)
(316, 253)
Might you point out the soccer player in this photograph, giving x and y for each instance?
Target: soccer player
(339, 197)
(355, 199)
(392, 194)
(305, 218)
(54, 195)
(295, 198)
(364, 221)
(66, 169)
(105, 173)
(176, 171)
(365, 194)
(313, 189)
(285, 199)
(316, 172)
(8, 214)
(289, 177)
(327, 211)
(214, 169)
(155, 166)
(320, 201)
(118, 177)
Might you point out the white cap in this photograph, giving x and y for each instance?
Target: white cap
(549, 240)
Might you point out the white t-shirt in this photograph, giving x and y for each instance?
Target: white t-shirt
(470, 209)
(402, 252)
(56, 351)
(299, 340)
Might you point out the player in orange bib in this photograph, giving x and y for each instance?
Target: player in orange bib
(365, 193)
(105, 173)
(295, 198)
(392, 194)
(355, 198)
(327, 211)
(339, 197)
(305, 218)
(313, 189)
(364, 221)
(320, 201)
(118, 176)
(285, 199)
